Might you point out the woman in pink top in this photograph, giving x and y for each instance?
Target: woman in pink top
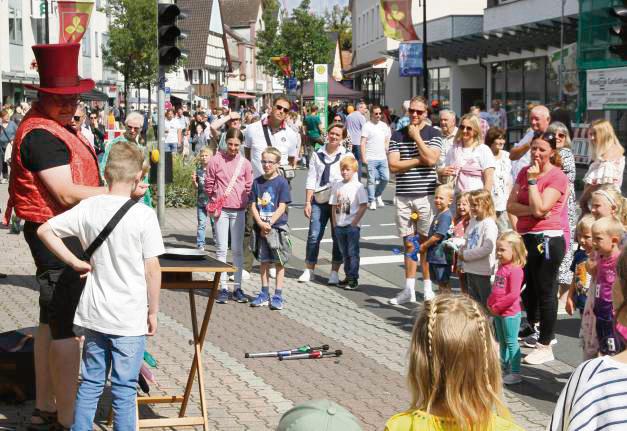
(223, 168)
(537, 200)
(470, 163)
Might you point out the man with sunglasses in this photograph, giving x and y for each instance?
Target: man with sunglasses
(413, 154)
(98, 130)
(375, 140)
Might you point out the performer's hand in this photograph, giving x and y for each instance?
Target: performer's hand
(81, 267)
(152, 324)
(140, 190)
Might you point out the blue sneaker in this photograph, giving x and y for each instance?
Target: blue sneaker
(223, 296)
(261, 300)
(276, 302)
(239, 296)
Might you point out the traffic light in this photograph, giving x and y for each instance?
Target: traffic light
(619, 30)
(169, 33)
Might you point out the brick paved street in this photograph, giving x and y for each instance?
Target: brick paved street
(368, 378)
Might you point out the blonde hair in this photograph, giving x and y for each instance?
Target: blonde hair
(349, 162)
(474, 122)
(205, 150)
(483, 199)
(585, 223)
(445, 188)
(604, 139)
(615, 199)
(519, 251)
(610, 226)
(275, 152)
(450, 329)
(124, 163)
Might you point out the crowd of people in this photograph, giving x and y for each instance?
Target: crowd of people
(507, 224)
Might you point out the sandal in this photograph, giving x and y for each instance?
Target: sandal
(48, 419)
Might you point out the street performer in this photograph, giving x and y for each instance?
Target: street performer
(53, 167)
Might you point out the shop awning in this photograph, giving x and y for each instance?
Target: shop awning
(538, 35)
(241, 95)
(94, 95)
(336, 91)
(373, 64)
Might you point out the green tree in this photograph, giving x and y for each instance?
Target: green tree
(338, 19)
(301, 37)
(267, 38)
(132, 47)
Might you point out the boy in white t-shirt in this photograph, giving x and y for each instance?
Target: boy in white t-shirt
(349, 200)
(119, 304)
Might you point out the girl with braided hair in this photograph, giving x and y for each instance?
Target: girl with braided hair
(447, 394)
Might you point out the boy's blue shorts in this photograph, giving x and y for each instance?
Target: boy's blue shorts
(439, 274)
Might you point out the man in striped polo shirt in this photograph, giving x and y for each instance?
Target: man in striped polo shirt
(413, 153)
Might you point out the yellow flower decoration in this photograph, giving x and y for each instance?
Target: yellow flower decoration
(75, 28)
(415, 216)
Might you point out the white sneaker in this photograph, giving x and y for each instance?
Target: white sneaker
(406, 295)
(305, 276)
(380, 202)
(372, 205)
(539, 356)
(245, 275)
(429, 295)
(512, 379)
(272, 272)
(334, 279)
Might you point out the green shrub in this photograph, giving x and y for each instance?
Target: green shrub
(181, 193)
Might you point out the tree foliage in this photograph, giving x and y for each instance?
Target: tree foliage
(338, 20)
(301, 37)
(132, 47)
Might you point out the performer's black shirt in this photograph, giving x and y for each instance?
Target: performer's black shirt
(41, 150)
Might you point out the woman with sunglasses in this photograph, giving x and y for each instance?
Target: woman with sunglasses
(537, 199)
(324, 170)
(469, 164)
(569, 212)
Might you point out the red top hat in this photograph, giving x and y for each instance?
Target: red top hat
(57, 65)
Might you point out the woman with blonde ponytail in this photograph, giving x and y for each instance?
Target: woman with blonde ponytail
(447, 394)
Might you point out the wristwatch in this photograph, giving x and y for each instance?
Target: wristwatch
(532, 182)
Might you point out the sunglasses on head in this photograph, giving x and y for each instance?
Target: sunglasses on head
(549, 137)
(416, 111)
(282, 108)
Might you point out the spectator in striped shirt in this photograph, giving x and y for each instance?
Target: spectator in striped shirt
(413, 152)
(594, 397)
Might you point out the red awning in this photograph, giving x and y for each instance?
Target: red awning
(242, 95)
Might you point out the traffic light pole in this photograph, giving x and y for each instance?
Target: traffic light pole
(161, 146)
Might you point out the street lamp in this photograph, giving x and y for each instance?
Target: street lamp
(224, 67)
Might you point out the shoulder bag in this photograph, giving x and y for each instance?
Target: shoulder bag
(287, 171)
(214, 208)
(70, 285)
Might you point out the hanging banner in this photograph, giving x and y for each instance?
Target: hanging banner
(396, 19)
(284, 64)
(570, 74)
(410, 59)
(73, 19)
(321, 92)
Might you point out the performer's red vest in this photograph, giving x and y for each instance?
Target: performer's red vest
(27, 193)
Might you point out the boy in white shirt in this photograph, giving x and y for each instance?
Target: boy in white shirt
(119, 304)
(348, 200)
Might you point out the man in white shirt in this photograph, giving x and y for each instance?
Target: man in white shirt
(375, 140)
(448, 127)
(520, 155)
(173, 132)
(272, 132)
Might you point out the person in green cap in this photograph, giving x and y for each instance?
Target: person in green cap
(134, 122)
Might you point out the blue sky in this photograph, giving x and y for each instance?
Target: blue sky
(317, 5)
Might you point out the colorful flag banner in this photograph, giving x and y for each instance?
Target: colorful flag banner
(73, 19)
(284, 64)
(396, 19)
(410, 58)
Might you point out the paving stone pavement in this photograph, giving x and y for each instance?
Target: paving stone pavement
(368, 378)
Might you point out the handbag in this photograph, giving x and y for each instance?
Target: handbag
(214, 208)
(70, 285)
